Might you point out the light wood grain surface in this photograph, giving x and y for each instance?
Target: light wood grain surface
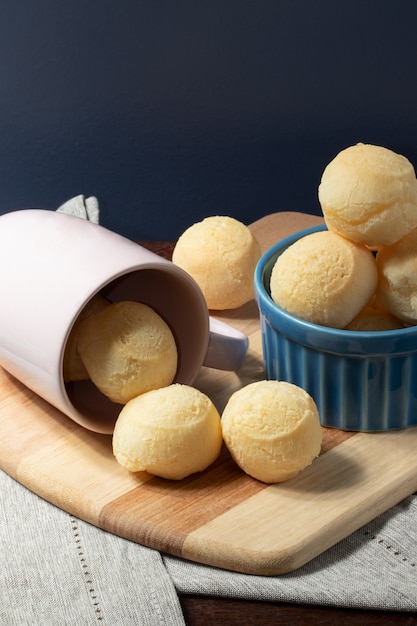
(220, 517)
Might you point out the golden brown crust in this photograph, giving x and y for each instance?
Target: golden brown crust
(220, 253)
(272, 430)
(397, 278)
(375, 317)
(170, 432)
(127, 349)
(369, 194)
(324, 278)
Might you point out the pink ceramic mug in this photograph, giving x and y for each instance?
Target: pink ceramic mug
(52, 264)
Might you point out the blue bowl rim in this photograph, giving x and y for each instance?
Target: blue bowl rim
(339, 341)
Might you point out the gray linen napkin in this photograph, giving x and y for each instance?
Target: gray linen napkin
(86, 208)
(56, 569)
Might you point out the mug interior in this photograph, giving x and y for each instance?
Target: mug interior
(174, 296)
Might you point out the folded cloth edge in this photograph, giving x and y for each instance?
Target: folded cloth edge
(80, 206)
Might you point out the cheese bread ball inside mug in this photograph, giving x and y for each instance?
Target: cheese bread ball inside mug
(74, 368)
(127, 349)
(369, 194)
(324, 278)
(170, 432)
(221, 254)
(272, 430)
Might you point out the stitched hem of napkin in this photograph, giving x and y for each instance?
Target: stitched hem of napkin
(389, 546)
(86, 571)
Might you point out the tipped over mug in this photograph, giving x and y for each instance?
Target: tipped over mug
(52, 264)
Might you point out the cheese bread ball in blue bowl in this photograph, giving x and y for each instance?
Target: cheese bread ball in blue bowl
(360, 380)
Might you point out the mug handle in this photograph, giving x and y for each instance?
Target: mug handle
(227, 346)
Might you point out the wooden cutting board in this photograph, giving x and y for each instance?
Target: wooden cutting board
(220, 517)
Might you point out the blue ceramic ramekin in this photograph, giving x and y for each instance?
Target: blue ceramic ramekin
(361, 381)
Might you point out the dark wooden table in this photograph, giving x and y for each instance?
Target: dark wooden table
(207, 611)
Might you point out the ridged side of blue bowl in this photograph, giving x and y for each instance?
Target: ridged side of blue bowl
(351, 393)
(361, 381)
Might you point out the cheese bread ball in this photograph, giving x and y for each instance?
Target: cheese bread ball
(375, 317)
(127, 349)
(397, 278)
(324, 278)
(369, 194)
(74, 368)
(170, 432)
(221, 254)
(272, 430)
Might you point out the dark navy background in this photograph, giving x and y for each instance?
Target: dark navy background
(169, 111)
